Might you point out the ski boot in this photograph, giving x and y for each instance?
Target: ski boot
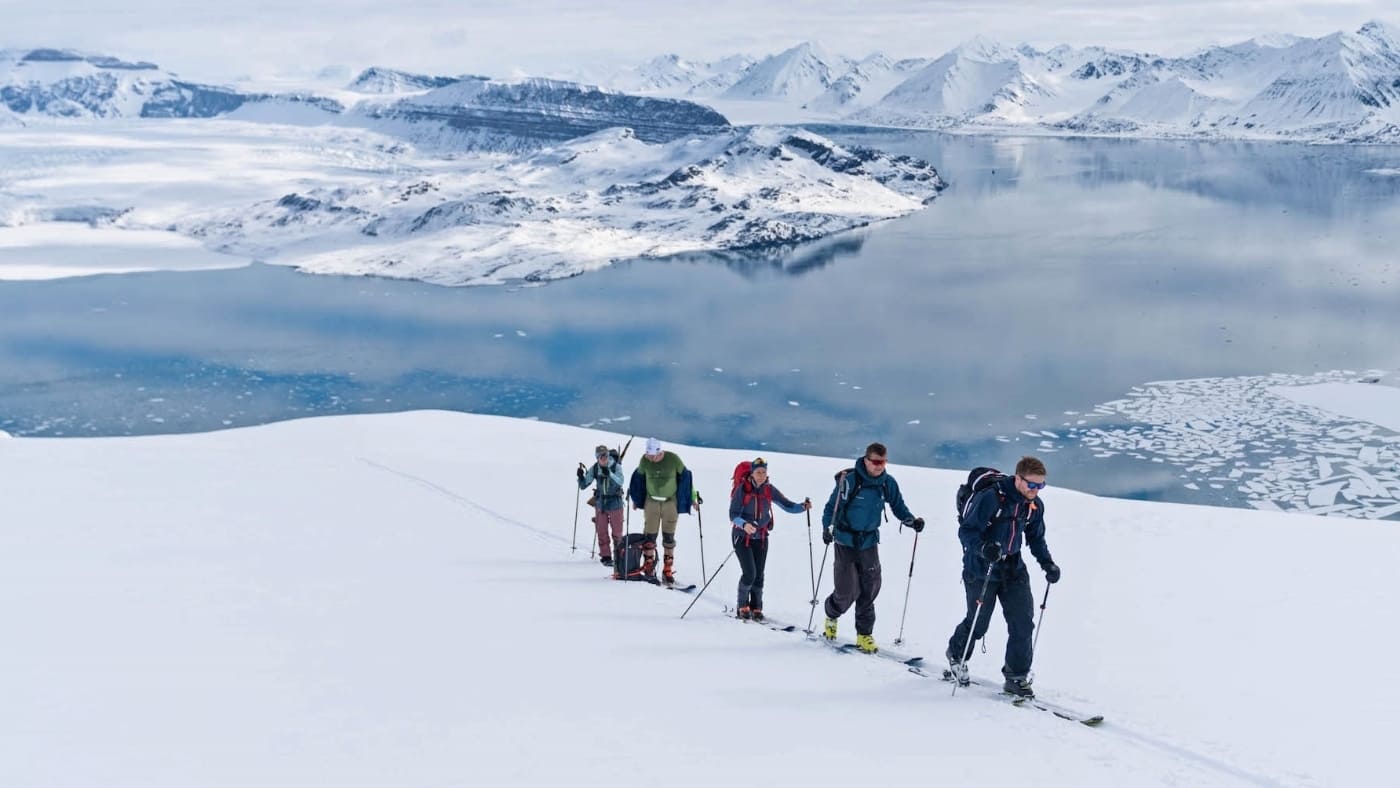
(1019, 687)
(829, 629)
(606, 560)
(866, 643)
(667, 575)
(744, 614)
(957, 670)
(649, 567)
(756, 614)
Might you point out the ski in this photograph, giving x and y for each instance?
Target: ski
(989, 690)
(847, 647)
(776, 626)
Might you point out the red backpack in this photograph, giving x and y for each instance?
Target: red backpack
(741, 476)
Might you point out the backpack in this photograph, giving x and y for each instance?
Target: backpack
(741, 477)
(628, 558)
(978, 479)
(854, 488)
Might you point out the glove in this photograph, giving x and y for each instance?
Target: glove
(826, 536)
(990, 551)
(916, 523)
(1052, 572)
(580, 473)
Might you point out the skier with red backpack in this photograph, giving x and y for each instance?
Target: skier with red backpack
(751, 511)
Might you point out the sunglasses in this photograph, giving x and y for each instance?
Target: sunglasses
(1034, 485)
(876, 462)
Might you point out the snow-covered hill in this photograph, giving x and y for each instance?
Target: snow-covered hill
(393, 600)
(1340, 87)
(578, 206)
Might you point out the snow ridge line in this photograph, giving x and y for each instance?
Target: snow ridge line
(464, 501)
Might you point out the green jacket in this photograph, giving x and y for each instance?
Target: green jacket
(661, 476)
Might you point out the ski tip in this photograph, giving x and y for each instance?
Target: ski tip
(914, 662)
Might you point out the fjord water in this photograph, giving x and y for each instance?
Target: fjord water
(1053, 275)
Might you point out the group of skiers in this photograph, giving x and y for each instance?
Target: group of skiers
(997, 515)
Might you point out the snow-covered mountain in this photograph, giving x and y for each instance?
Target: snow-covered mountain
(865, 82)
(579, 206)
(1340, 87)
(62, 83)
(379, 80)
(512, 116)
(799, 73)
(673, 75)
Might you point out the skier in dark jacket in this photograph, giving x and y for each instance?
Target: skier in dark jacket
(751, 512)
(992, 528)
(852, 520)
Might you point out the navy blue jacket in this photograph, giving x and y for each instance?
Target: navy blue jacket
(859, 526)
(685, 486)
(1001, 514)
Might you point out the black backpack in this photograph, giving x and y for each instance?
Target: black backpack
(978, 479)
(628, 559)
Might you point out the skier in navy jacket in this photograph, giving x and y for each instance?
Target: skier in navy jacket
(996, 522)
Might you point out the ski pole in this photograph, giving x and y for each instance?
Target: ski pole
(1040, 620)
(573, 545)
(597, 510)
(811, 568)
(977, 613)
(700, 523)
(813, 612)
(900, 639)
(707, 583)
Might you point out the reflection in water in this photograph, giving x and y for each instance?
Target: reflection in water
(1053, 275)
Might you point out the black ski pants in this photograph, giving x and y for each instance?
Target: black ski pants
(856, 574)
(752, 552)
(1012, 585)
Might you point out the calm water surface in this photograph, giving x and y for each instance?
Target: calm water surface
(1052, 275)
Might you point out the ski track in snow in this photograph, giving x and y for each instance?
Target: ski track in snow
(1238, 433)
(542, 534)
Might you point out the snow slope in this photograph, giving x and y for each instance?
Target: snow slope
(392, 600)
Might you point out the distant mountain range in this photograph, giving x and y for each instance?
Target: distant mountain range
(459, 112)
(1340, 87)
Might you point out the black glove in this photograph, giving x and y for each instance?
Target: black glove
(1052, 572)
(990, 551)
(580, 473)
(916, 523)
(826, 536)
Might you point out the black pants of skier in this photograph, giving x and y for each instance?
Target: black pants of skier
(856, 574)
(1013, 588)
(752, 552)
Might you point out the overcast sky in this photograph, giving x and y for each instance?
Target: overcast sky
(265, 38)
